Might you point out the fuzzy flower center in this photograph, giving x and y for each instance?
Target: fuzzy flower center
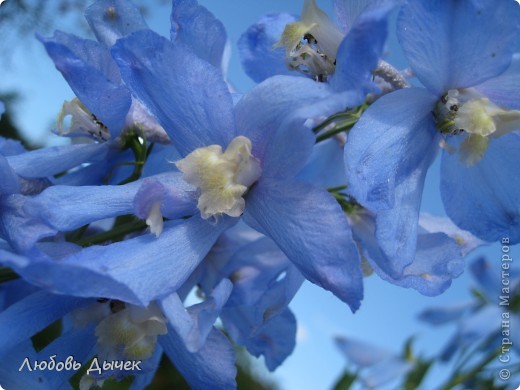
(221, 177)
(132, 331)
(82, 122)
(467, 111)
(311, 44)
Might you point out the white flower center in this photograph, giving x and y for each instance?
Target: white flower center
(82, 123)
(221, 177)
(312, 43)
(468, 111)
(132, 330)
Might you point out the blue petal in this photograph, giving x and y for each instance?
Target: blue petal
(360, 353)
(273, 115)
(194, 324)
(488, 280)
(93, 76)
(14, 291)
(347, 11)
(213, 367)
(13, 378)
(326, 257)
(198, 29)
(475, 197)
(388, 144)
(27, 317)
(114, 19)
(187, 95)
(9, 183)
(325, 167)
(136, 270)
(467, 242)
(142, 380)
(260, 59)
(275, 340)
(361, 49)
(10, 147)
(19, 229)
(478, 327)
(81, 344)
(446, 314)
(174, 194)
(457, 44)
(437, 262)
(50, 161)
(503, 89)
(67, 208)
(429, 277)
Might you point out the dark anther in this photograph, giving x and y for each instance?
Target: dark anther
(444, 99)
(454, 108)
(116, 306)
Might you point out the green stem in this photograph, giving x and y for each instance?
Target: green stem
(344, 126)
(115, 234)
(458, 379)
(7, 274)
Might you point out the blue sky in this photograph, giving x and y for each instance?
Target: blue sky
(387, 315)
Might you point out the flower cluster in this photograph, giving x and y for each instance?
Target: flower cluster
(177, 184)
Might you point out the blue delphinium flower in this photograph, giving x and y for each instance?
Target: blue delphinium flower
(236, 160)
(315, 47)
(113, 331)
(256, 315)
(375, 366)
(462, 52)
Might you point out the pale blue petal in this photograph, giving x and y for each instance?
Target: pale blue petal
(260, 59)
(114, 19)
(275, 340)
(187, 95)
(445, 314)
(136, 270)
(384, 372)
(327, 257)
(93, 76)
(9, 183)
(457, 44)
(360, 353)
(392, 139)
(273, 116)
(67, 208)
(27, 317)
(142, 380)
(361, 49)
(437, 262)
(198, 29)
(50, 161)
(427, 276)
(487, 277)
(10, 147)
(476, 328)
(213, 367)
(177, 198)
(81, 344)
(12, 378)
(466, 241)
(17, 227)
(503, 89)
(483, 198)
(194, 324)
(325, 167)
